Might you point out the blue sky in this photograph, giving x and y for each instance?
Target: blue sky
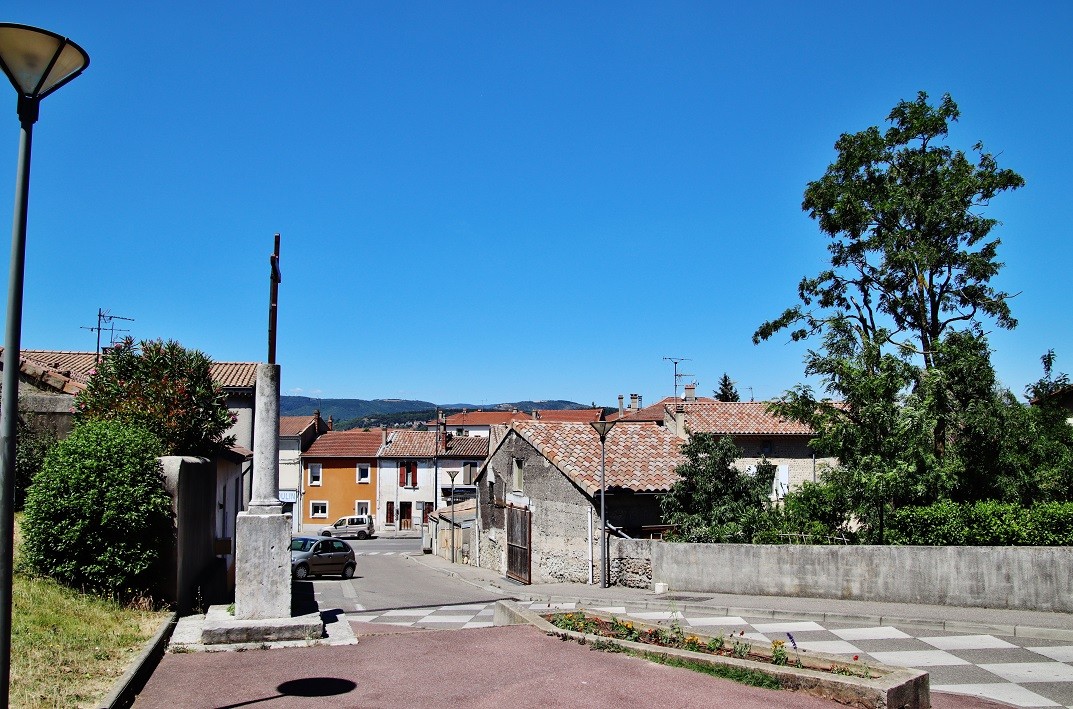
(485, 201)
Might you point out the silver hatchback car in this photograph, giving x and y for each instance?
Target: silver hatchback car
(315, 556)
(360, 526)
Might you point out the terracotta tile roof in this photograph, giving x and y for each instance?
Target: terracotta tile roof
(354, 443)
(739, 418)
(47, 377)
(466, 447)
(641, 457)
(482, 418)
(409, 444)
(656, 411)
(492, 418)
(582, 415)
(294, 425)
(78, 365)
(235, 375)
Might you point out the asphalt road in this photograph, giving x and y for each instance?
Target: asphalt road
(385, 579)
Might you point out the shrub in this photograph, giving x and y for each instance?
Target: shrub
(97, 515)
(987, 523)
(32, 443)
(164, 388)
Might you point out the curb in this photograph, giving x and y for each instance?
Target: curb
(126, 688)
(655, 603)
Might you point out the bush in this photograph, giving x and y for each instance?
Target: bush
(164, 388)
(987, 523)
(97, 515)
(32, 443)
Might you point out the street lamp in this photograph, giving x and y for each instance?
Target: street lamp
(602, 429)
(37, 62)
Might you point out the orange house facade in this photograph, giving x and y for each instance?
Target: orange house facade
(339, 477)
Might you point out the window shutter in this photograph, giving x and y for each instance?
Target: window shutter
(402, 474)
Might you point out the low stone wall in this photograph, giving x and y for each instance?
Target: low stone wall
(631, 562)
(1029, 578)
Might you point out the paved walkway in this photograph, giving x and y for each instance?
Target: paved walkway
(448, 654)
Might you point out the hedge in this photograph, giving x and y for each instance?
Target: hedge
(983, 524)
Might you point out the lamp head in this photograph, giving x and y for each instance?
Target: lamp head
(37, 62)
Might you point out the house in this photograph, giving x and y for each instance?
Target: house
(341, 477)
(481, 423)
(296, 435)
(416, 470)
(539, 496)
(61, 374)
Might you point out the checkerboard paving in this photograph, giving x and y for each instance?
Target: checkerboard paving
(1024, 672)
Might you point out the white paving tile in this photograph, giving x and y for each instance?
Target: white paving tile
(1021, 672)
(658, 615)
(1062, 653)
(967, 642)
(465, 607)
(447, 619)
(362, 618)
(754, 636)
(409, 611)
(834, 647)
(717, 621)
(918, 658)
(787, 627)
(882, 632)
(478, 624)
(612, 609)
(1001, 691)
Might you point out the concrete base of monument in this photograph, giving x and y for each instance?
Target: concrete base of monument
(220, 627)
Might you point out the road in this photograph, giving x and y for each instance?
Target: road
(386, 579)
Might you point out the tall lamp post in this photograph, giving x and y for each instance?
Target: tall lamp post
(37, 62)
(602, 429)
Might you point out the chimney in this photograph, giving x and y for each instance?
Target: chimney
(383, 436)
(329, 422)
(680, 423)
(633, 402)
(690, 392)
(638, 402)
(621, 410)
(535, 415)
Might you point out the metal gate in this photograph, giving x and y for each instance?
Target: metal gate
(519, 547)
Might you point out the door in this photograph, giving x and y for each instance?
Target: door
(519, 547)
(406, 515)
(390, 515)
(426, 512)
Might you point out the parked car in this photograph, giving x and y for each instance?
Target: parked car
(360, 526)
(316, 556)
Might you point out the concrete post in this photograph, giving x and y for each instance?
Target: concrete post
(263, 533)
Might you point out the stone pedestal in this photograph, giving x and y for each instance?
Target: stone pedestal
(262, 566)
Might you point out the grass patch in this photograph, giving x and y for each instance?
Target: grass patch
(753, 678)
(67, 648)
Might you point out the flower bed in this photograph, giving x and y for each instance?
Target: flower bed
(737, 658)
(736, 646)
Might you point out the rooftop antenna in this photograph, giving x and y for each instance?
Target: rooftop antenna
(105, 318)
(677, 376)
(750, 394)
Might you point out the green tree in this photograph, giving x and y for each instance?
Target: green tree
(910, 256)
(32, 443)
(726, 390)
(712, 501)
(97, 515)
(163, 387)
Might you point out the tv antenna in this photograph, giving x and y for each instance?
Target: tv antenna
(677, 376)
(106, 321)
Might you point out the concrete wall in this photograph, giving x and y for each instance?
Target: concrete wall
(191, 483)
(1032, 578)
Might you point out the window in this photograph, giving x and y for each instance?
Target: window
(460, 431)
(361, 507)
(408, 473)
(469, 471)
(363, 474)
(318, 509)
(314, 474)
(516, 468)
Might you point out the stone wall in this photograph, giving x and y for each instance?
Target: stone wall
(1028, 578)
(631, 562)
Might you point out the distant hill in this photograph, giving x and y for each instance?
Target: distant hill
(352, 413)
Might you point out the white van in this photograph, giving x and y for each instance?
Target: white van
(360, 526)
